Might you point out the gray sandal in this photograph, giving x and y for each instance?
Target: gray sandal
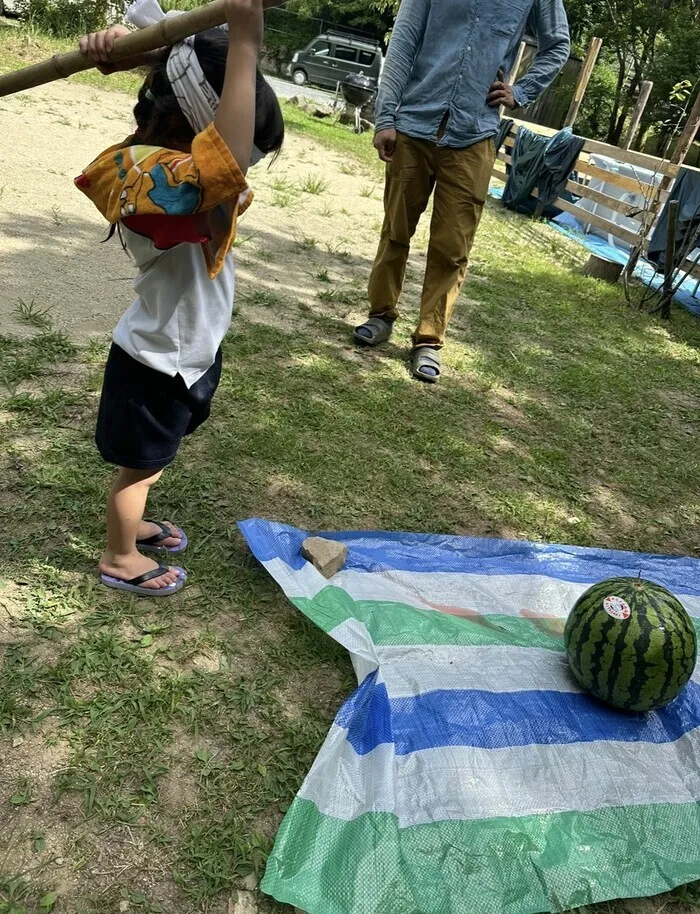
(377, 331)
(425, 364)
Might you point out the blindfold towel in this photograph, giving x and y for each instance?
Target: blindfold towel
(197, 99)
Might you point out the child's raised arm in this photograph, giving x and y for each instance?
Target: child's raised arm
(235, 118)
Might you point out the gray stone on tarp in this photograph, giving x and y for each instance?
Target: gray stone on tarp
(327, 556)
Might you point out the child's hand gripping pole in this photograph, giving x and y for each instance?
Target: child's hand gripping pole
(134, 45)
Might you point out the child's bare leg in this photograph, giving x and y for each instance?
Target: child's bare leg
(125, 507)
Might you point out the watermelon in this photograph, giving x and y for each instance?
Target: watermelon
(631, 643)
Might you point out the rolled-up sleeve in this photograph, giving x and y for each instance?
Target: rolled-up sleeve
(406, 40)
(551, 28)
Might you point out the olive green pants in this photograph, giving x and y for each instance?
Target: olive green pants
(460, 179)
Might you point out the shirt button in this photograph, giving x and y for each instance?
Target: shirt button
(477, 18)
(469, 47)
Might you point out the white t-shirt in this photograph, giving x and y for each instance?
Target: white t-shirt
(178, 213)
(180, 316)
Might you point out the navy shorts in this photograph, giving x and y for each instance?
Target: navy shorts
(144, 414)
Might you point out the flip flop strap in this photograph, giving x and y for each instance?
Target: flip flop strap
(148, 576)
(157, 537)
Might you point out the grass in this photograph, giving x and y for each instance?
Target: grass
(242, 239)
(306, 243)
(338, 247)
(344, 296)
(20, 47)
(30, 314)
(264, 298)
(313, 185)
(153, 749)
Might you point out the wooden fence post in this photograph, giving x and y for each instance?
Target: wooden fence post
(685, 140)
(583, 80)
(513, 75)
(642, 99)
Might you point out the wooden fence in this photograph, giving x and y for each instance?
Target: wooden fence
(654, 196)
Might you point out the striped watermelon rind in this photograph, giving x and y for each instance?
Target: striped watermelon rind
(636, 663)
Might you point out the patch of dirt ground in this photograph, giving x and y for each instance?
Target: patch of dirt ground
(50, 234)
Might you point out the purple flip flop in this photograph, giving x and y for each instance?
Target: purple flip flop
(152, 543)
(134, 585)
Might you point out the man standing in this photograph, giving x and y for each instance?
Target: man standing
(436, 116)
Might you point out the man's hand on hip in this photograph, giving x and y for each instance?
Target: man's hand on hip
(385, 143)
(500, 93)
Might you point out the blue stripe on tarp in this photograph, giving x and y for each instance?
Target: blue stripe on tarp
(372, 551)
(498, 720)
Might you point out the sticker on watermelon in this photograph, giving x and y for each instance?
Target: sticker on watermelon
(616, 607)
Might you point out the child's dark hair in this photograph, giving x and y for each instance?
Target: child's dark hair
(160, 121)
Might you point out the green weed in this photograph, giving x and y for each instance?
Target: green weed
(313, 185)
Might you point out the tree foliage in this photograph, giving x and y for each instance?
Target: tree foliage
(643, 39)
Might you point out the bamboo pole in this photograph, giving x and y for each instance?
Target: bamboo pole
(583, 80)
(163, 34)
(642, 99)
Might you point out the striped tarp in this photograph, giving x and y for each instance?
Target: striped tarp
(468, 774)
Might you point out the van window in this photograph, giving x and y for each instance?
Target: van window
(343, 52)
(320, 49)
(366, 58)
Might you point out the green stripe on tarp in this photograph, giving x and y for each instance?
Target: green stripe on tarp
(399, 623)
(508, 865)
(392, 623)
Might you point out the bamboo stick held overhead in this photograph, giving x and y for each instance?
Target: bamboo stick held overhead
(163, 34)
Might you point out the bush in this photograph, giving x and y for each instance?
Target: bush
(284, 34)
(594, 118)
(70, 18)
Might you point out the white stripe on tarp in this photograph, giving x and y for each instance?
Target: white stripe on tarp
(510, 595)
(462, 783)
(409, 670)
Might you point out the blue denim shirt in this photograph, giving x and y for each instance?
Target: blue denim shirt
(444, 55)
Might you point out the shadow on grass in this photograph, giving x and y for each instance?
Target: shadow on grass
(562, 416)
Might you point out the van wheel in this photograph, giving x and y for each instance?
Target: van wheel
(299, 77)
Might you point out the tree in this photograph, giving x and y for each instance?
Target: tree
(677, 63)
(633, 31)
(376, 17)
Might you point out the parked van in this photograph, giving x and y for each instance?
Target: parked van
(332, 56)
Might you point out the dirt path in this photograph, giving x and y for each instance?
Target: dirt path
(50, 251)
